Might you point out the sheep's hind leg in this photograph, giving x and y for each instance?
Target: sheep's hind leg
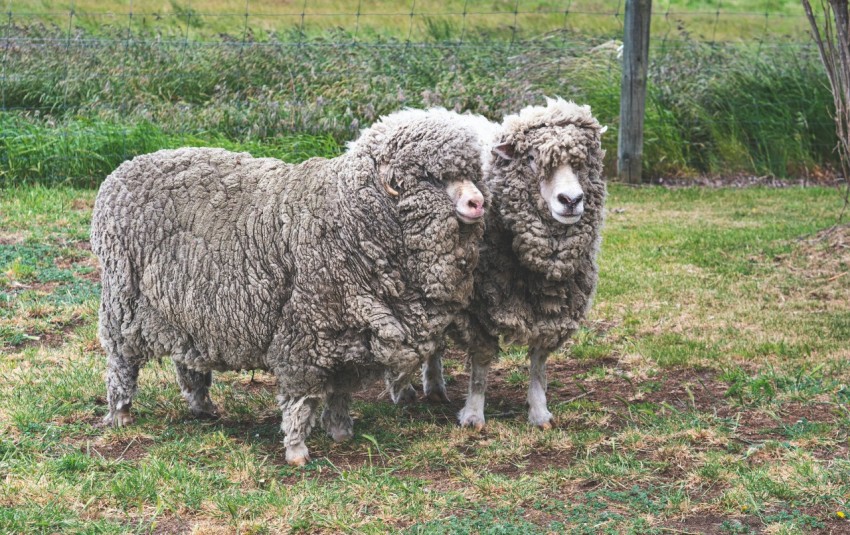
(299, 416)
(122, 379)
(538, 414)
(195, 387)
(401, 391)
(336, 418)
(433, 383)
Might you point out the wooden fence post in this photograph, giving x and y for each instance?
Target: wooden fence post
(633, 90)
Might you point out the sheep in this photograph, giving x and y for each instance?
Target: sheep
(538, 272)
(329, 273)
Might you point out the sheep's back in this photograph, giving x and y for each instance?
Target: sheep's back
(201, 229)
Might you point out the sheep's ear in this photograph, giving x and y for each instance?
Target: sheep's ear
(505, 151)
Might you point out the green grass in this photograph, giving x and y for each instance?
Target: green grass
(420, 20)
(83, 152)
(731, 91)
(706, 393)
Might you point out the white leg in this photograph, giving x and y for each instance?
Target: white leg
(538, 414)
(299, 415)
(121, 382)
(472, 414)
(432, 378)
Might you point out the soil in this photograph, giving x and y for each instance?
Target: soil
(127, 450)
(817, 176)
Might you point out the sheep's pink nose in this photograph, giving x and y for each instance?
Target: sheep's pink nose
(475, 206)
(470, 205)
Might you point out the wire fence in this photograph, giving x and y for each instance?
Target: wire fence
(85, 85)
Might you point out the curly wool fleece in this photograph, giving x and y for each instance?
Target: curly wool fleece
(537, 276)
(311, 271)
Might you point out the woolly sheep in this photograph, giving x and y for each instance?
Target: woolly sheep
(329, 273)
(538, 272)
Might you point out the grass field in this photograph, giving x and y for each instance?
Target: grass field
(734, 87)
(417, 20)
(708, 393)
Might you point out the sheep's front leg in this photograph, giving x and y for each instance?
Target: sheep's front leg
(122, 378)
(299, 416)
(195, 387)
(472, 413)
(483, 352)
(336, 417)
(538, 414)
(433, 383)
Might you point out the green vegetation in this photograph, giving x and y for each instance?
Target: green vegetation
(421, 20)
(708, 391)
(735, 87)
(707, 394)
(76, 108)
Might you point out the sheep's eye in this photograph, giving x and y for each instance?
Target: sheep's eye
(431, 178)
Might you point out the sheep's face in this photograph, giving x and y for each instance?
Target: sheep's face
(563, 194)
(437, 161)
(467, 199)
(559, 190)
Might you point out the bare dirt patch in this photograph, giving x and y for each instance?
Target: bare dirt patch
(708, 523)
(815, 176)
(823, 258)
(127, 450)
(82, 204)
(54, 338)
(757, 424)
(12, 238)
(170, 524)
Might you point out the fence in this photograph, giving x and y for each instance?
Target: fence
(84, 86)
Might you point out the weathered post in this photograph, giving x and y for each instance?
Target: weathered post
(633, 90)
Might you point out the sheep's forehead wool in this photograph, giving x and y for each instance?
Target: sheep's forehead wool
(463, 124)
(559, 133)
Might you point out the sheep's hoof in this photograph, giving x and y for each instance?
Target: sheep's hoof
(406, 396)
(437, 396)
(206, 415)
(297, 455)
(298, 461)
(342, 435)
(475, 422)
(545, 426)
(119, 419)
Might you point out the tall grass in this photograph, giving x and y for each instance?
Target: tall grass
(77, 106)
(81, 152)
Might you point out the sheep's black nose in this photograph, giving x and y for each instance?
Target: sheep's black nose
(567, 201)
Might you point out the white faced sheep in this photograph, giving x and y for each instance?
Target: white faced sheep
(329, 274)
(538, 271)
